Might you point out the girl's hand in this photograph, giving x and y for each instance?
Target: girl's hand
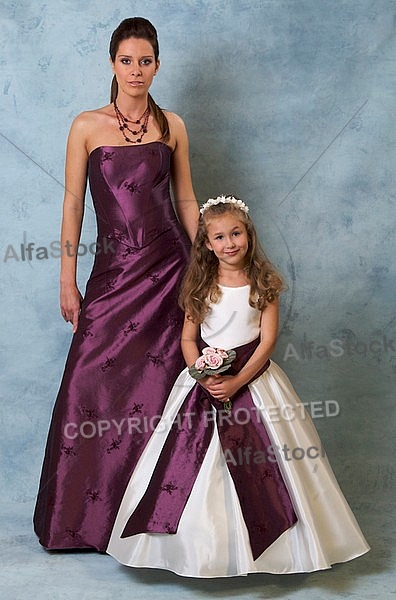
(70, 304)
(206, 382)
(222, 387)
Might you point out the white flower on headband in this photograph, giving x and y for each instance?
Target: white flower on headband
(224, 200)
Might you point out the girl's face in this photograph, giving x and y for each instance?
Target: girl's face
(135, 66)
(228, 239)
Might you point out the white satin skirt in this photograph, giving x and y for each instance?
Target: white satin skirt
(212, 538)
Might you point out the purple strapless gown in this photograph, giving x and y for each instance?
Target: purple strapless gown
(125, 355)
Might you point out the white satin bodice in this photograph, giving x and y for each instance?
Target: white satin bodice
(231, 322)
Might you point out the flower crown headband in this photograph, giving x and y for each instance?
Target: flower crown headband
(224, 200)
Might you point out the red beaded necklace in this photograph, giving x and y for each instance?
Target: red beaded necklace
(123, 124)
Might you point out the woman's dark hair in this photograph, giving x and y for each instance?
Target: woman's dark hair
(138, 27)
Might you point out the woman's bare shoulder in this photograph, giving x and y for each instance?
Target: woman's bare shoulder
(174, 120)
(92, 117)
(177, 128)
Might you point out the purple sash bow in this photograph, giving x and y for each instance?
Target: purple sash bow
(265, 502)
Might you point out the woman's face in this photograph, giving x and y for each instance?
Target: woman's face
(134, 67)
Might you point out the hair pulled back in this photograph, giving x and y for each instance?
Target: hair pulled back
(138, 27)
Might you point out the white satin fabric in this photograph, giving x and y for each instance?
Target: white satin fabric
(231, 316)
(212, 539)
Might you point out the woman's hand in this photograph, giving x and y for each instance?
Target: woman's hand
(221, 387)
(70, 303)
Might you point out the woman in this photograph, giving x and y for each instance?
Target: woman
(125, 352)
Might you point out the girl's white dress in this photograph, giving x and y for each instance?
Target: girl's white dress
(212, 538)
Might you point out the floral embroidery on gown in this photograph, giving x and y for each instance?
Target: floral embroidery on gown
(125, 354)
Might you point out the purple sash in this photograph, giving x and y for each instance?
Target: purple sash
(265, 502)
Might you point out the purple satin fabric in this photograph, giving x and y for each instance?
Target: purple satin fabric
(125, 355)
(265, 502)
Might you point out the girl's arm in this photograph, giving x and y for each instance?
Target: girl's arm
(190, 348)
(185, 202)
(189, 341)
(224, 387)
(73, 210)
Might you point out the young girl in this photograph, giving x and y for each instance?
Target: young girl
(234, 479)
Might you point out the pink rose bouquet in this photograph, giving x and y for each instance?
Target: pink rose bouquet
(212, 362)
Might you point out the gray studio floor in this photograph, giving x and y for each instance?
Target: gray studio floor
(28, 571)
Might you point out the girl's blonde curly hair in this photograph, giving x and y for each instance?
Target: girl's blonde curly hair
(200, 284)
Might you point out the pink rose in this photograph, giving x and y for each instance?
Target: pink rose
(209, 350)
(222, 352)
(213, 360)
(200, 363)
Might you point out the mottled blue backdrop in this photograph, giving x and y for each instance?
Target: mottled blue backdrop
(290, 105)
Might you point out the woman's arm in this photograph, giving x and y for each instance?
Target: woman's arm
(73, 211)
(185, 201)
(224, 387)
